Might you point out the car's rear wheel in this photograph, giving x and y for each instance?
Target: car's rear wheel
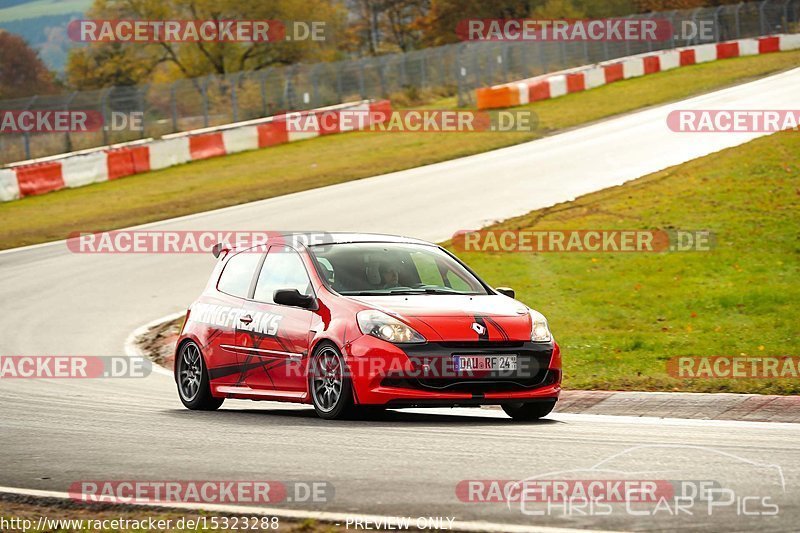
(529, 411)
(329, 384)
(194, 388)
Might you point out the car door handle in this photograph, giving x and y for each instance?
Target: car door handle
(246, 319)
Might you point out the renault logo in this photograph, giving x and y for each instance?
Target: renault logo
(480, 330)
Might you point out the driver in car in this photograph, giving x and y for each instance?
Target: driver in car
(389, 276)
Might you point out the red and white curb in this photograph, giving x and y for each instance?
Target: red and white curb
(588, 77)
(112, 162)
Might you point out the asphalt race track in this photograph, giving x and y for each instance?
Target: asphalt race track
(408, 463)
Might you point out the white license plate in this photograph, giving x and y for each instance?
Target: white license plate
(464, 363)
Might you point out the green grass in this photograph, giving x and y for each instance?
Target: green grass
(41, 8)
(620, 317)
(259, 174)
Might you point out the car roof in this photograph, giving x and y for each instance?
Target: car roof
(310, 239)
(320, 238)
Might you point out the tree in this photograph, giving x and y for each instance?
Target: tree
(106, 63)
(380, 26)
(557, 9)
(440, 23)
(22, 72)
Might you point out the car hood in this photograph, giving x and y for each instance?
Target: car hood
(460, 318)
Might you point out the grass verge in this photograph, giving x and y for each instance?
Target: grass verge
(620, 317)
(270, 172)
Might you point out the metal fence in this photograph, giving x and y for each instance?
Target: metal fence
(453, 69)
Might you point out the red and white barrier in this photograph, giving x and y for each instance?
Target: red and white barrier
(40, 178)
(93, 166)
(169, 152)
(83, 170)
(789, 42)
(669, 60)
(588, 77)
(240, 139)
(128, 160)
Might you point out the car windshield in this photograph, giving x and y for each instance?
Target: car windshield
(381, 268)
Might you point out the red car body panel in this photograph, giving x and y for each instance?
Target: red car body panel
(269, 361)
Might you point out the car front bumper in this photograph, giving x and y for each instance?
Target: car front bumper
(422, 375)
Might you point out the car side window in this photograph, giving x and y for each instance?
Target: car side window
(238, 274)
(282, 269)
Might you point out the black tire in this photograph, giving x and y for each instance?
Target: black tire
(529, 411)
(329, 384)
(191, 375)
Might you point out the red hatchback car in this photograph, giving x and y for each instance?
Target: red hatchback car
(361, 320)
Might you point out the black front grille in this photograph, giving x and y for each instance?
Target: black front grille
(434, 370)
(491, 345)
(544, 378)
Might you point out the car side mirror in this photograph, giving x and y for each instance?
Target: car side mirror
(293, 297)
(506, 291)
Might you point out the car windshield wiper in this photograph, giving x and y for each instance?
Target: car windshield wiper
(365, 293)
(390, 292)
(441, 290)
(426, 290)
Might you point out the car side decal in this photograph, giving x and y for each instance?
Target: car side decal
(498, 327)
(228, 317)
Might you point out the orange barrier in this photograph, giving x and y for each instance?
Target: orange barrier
(206, 145)
(128, 161)
(496, 97)
(39, 178)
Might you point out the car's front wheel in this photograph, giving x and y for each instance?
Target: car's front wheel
(529, 411)
(329, 384)
(194, 388)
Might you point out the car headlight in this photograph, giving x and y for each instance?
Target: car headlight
(383, 326)
(539, 331)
